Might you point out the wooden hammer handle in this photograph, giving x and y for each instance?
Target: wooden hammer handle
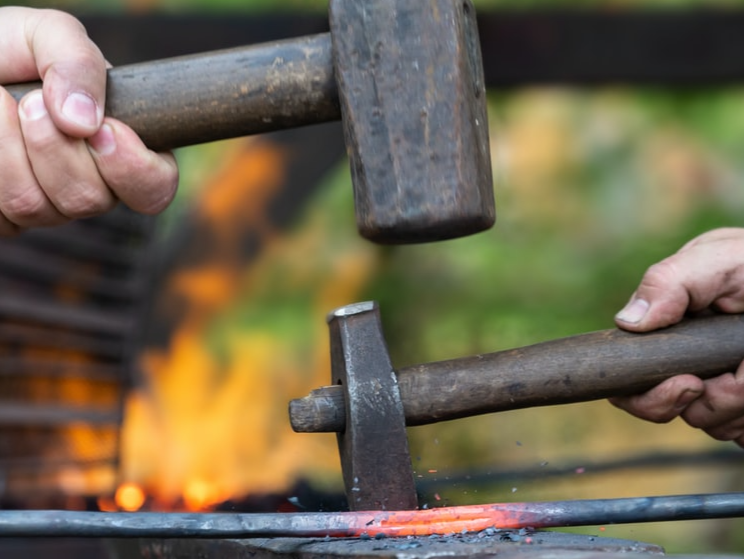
(224, 94)
(576, 369)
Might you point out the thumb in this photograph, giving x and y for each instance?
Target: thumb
(706, 272)
(660, 300)
(73, 70)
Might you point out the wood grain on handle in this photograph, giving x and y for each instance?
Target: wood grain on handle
(576, 369)
(224, 94)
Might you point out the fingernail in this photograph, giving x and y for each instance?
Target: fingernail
(686, 398)
(81, 109)
(633, 312)
(33, 107)
(103, 142)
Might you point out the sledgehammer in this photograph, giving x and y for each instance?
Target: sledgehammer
(404, 76)
(370, 404)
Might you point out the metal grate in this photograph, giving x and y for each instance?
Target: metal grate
(71, 306)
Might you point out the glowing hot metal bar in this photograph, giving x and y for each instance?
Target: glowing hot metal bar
(444, 520)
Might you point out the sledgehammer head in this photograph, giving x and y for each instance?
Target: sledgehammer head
(412, 93)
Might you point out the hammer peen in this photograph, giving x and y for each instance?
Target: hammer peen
(404, 76)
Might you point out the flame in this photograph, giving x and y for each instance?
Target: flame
(200, 494)
(129, 497)
(211, 423)
(82, 453)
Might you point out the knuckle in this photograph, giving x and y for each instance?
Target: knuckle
(81, 51)
(147, 186)
(661, 274)
(27, 208)
(88, 202)
(41, 137)
(56, 17)
(162, 198)
(53, 19)
(635, 407)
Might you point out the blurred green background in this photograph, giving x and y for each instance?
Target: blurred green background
(592, 187)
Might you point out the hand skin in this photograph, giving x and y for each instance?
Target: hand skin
(706, 273)
(60, 158)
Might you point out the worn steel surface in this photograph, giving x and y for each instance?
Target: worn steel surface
(375, 459)
(413, 99)
(576, 369)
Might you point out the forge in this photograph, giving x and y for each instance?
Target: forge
(72, 300)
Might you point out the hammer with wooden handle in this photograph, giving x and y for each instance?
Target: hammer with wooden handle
(579, 368)
(370, 404)
(406, 78)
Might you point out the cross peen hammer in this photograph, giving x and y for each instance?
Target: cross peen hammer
(405, 76)
(370, 404)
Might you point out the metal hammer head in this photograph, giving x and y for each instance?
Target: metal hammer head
(375, 459)
(411, 86)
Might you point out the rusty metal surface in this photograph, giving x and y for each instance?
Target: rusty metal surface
(504, 544)
(375, 459)
(412, 93)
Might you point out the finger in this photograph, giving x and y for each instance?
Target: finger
(54, 46)
(664, 402)
(22, 201)
(715, 235)
(144, 180)
(729, 431)
(705, 272)
(63, 166)
(725, 250)
(660, 300)
(720, 410)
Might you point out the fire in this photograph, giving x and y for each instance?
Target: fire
(129, 497)
(211, 422)
(57, 397)
(202, 495)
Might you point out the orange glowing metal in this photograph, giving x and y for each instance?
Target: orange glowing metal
(444, 520)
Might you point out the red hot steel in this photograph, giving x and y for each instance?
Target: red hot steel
(445, 520)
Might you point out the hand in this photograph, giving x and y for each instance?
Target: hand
(707, 273)
(60, 158)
